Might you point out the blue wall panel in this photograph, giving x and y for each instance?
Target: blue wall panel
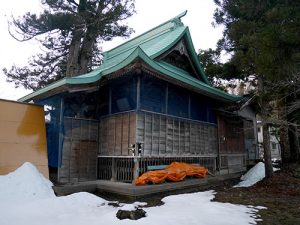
(52, 108)
(178, 101)
(153, 95)
(123, 94)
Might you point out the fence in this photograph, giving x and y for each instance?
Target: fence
(122, 168)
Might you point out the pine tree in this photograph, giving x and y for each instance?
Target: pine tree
(263, 37)
(70, 32)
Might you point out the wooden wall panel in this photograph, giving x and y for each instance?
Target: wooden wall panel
(162, 136)
(165, 135)
(79, 151)
(140, 129)
(170, 129)
(132, 128)
(193, 138)
(231, 135)
(155, 134)
(112, 137)
(116, 133)
(103, 136)
(125, 134)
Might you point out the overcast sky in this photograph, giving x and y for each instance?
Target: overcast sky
(150, 13)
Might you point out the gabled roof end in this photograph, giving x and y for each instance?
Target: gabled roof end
(171, 24)
(177, 19)
(181, 15)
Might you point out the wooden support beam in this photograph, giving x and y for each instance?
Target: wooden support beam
(113, 170)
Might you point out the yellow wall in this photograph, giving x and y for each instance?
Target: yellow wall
(22, 136)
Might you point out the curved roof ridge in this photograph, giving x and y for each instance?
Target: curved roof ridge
(146, 36)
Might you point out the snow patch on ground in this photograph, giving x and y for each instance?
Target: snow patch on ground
(26, 198)
(254, 175)
(133, 206)
(197, 208)
(23, 185)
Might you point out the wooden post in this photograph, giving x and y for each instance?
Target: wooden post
(60, 138)
(166, 99)
(136, 169)
(138, 93)
(109, 100)
(113, 170)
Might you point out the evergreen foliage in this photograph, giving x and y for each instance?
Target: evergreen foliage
(70, 33)
(215, 69)
(263, 38)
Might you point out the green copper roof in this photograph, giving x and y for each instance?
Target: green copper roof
(146, 47)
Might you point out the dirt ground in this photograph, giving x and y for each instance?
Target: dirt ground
(280, 194)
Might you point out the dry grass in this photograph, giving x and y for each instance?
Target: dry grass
(280, 194)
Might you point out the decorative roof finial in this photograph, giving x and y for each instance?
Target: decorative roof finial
(177, 19)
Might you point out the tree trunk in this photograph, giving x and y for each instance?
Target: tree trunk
(283, 132)
(86, 53)
(267, 150)
(294, 143)
(284, 144)
(72, 63)
(265, 125)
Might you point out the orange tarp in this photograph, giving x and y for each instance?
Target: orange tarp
(176, 171)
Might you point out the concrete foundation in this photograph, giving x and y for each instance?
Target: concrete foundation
(132, 191)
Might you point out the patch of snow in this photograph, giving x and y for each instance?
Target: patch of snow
(75, 209)
(40, 206)
(198, 208)
(24, 184)
(256, 208)
(133, 206)
(260, 207)
(254, 175)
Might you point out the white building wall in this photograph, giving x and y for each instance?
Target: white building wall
(274, 143)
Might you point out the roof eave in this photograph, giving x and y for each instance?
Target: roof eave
(211, 91)
(194, 56)
(41, 92)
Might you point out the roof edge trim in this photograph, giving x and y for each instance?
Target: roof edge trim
(194, 56)
(33, 94)
(113, 51)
